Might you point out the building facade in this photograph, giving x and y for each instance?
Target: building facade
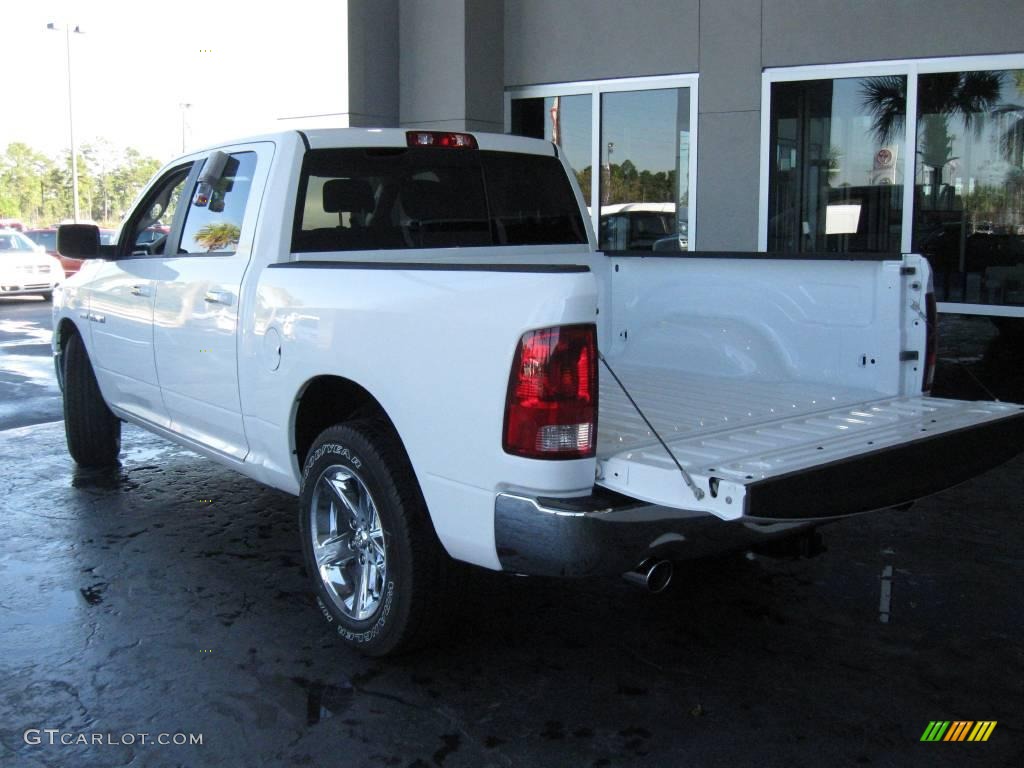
(796, 126)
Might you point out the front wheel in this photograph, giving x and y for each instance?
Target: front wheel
(93, 432)
(377, 567)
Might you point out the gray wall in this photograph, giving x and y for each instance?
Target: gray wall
(728, 134)
(729, 42)
(373, 62)
(485, 65)
(432, 63)
(808, 32)
(426, 63)
(552, 41)
(451, 65)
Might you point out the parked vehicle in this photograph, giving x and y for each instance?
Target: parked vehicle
(414, 333)
(642, 227)
(26, 268)
(47, 238)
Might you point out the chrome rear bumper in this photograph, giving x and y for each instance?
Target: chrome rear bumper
(609, 534)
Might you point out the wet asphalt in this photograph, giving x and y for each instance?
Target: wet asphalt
(28, 386)
(168, 597)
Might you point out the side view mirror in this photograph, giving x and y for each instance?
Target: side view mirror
(212, 172)
(78, 241)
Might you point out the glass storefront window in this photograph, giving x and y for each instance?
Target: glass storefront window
(636, 137)
(566, 121)
(835, 173)
(969, 184)
(645, 160)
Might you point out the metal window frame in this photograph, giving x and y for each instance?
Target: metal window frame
(595, 89)
(911, 68)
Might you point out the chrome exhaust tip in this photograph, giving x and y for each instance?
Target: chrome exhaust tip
(652, 574)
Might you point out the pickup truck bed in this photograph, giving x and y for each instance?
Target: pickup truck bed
(748, 433)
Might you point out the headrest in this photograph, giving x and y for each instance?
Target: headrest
(348, 195)
(425, 200)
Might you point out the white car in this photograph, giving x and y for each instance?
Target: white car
(26, 268)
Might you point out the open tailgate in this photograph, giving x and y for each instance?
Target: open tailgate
(827, 463)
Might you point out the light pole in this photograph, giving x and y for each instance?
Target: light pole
(71, 109)
(184, 108)
(606, 196)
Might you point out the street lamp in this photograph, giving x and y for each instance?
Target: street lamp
(71, 120)
(184, 108)
(607, 192)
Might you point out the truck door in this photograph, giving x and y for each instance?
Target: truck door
(197, 307)
(120, 299)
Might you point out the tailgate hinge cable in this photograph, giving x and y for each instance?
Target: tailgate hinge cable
(694, 488)
(978, 381)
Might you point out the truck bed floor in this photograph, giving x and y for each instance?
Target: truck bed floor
(681, 404)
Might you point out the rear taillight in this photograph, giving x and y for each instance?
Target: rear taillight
(551, 406)
(440, 139)
(931, 342)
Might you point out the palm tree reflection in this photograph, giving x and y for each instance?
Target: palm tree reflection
(969, 201)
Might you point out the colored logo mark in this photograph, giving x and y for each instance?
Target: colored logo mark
(959, 730)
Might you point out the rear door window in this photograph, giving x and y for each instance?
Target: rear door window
(422, 197)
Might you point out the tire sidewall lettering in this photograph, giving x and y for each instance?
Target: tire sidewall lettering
(331, 448)
(325, 610)
(378, 626)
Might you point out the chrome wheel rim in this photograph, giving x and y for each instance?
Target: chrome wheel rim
(349, 544)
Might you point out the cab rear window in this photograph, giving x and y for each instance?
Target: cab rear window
(426, 197)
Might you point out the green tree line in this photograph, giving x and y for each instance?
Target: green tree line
(624, 183)
(36, 188)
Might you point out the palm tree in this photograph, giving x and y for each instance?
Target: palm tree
(886, 99)
(970, 96)
(967, 95)
(218, 236)
(1011, 141)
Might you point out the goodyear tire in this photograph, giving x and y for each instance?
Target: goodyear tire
(93, 432)
(378, 570)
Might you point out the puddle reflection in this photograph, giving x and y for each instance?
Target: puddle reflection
(324, 700)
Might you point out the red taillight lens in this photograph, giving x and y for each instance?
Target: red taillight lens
(440, 139)
(551, 406)
(931, 342)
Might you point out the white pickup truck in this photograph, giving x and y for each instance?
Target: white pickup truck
(414, 332)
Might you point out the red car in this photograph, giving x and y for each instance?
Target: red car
(48, 239)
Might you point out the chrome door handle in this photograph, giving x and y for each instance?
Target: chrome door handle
(218, 297)
(140, 290)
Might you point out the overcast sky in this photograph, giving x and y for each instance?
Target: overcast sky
(241, 65)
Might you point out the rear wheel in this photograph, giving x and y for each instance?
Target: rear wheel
(93, 432)
(378, 570)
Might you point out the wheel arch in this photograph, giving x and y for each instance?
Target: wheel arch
(326, 400)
